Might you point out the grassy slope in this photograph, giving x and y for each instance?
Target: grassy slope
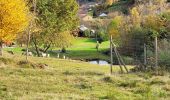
(65, 79)
(84, 48)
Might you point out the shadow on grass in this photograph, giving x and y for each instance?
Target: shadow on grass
(87, 73)
(91, 40)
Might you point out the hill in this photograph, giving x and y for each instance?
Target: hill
(65, 79)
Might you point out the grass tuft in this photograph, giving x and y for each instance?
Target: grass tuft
(107, 79)
(6, 60)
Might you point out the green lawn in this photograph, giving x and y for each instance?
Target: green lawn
(85, 48)
(75, 80)
(82, 48)
(17, 50)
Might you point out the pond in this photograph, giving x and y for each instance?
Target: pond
(99, 62)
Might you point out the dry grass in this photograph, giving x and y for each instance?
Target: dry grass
(65, 80)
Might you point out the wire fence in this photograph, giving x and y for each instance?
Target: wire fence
(145, 56)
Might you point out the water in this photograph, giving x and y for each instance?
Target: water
(99, 62)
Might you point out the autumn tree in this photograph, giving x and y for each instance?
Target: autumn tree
(13, 19)
(21, 39)
(135, 18)
(109, 2)
(56, 18)
(114, 26)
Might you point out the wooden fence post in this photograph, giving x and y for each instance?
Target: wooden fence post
(111, 55)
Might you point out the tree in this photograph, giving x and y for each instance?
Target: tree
(109, 2)
(56, 18)
(113, 27)
(155, 24)
(13, 19)
(102, 35)
(113, 31)
(135, 17)
(21, 39)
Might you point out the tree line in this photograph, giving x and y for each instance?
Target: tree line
(49, 22)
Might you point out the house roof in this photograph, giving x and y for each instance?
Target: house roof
(83, 28)
(103, 15)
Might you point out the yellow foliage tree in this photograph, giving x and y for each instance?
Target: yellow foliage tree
(135, 17)
(110, 2)
(154, 22)
(13, 19)
(113, 27)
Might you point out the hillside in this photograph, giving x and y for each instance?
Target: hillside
(65, 79)
(84, 50)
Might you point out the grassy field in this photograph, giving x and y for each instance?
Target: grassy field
(75, 80)
(83, 48)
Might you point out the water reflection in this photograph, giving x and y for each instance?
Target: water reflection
(99, 62)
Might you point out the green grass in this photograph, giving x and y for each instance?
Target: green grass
(75, 80)
(87, 44)
(17, 50)
(82, 48)
(85, 48)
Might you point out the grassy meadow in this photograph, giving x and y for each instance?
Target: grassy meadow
(76, 80)
(85, 48)
(82, 48)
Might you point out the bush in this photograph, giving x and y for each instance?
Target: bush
(87, 33)
(164, 59)
(128, 60)
(102, 36)
(132, 43)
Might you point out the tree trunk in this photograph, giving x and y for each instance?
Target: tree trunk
(35, 45)
(28, 40)
(1, 47)
(21, 45)
(37, 49)
(46, 49)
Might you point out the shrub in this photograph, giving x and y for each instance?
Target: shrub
(87, 33)
(128, 60)
(102, 35)
(132, 43)
(164, 59)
